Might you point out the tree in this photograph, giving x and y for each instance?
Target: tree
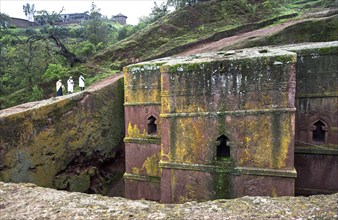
(181, 3)
(158, 11)
(4, 20)
(25, 54)
(95, 29)
(86, 49)
(54, 72)
(29, 11)
(126, 31)
(49, 19)
(22, 65)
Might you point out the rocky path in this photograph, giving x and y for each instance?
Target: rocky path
(111, 79)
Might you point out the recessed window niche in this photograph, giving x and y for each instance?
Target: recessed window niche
(223, 149)
(319, 132)
(152, 125)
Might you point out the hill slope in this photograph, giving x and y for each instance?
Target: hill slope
(291, 31)
(207, 22)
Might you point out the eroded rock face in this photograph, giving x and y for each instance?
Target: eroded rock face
(66, 142)
(27, 201)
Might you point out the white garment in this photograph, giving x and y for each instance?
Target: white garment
(58, 85)
(70, 85)
(81, 81)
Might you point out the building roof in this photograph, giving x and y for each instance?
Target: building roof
(120, 15)
(19, 22)
(84, 13)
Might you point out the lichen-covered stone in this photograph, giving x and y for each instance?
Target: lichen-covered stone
(56, 142)
(316, 158)
(197, 99)
(26, 201)
(142, 104)
(235, 94)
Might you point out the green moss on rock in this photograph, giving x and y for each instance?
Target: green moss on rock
(59, 135)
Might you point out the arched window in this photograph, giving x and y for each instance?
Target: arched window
(319, 130)
(223, 149)
(152, 125)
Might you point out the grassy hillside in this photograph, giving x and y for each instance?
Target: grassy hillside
(314, 30)
(203, 22)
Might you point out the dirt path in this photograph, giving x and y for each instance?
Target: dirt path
(105, 82)
(220, 44)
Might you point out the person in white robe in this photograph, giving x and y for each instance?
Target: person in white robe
(81, 83)
(70, 85)
(59, 88)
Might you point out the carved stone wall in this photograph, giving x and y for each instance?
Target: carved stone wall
(316, 139)
(244, 96)
(226, 121)
(143, 132)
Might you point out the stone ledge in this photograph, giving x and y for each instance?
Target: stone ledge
(141, 103)
(266, 172)
(151, 140)
(312, 191)
(313, 49)
(153, 179)
(319, 95)
(237, 112)
(320, 150)
(227, 168)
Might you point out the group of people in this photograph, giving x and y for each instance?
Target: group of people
(70, 85)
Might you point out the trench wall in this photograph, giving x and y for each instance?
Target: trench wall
(316, 138)
(69, 142)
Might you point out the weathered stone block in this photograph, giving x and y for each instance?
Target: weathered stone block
(227, 120)
(142, 83)
(142, 188)
(143, 159)
(143, 132)
(246, 98)
(317, 93)
(316, 101)
(317, 173)
(186, 185)
(250, 185)
(54, 143)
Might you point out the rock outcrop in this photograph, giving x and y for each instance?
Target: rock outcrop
(67, 142)
(27, 201)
